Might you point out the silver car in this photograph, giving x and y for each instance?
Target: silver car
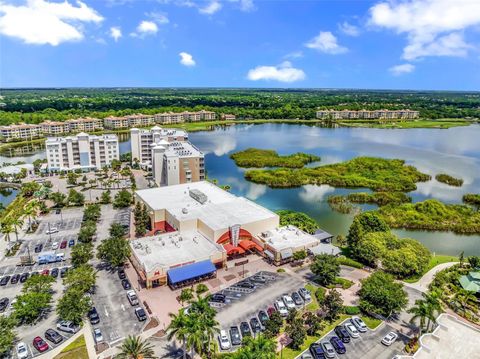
(352, 330)
(359, 324)
(328, 349)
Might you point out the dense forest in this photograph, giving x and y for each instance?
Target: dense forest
(36, 105)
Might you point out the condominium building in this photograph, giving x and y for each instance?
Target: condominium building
(166, 118)
(207, 115)
(228, 117)
(141, 141)
(139, 120)
(186, 116)
(87, 124)
(364, 114)
(115, 123)
(83, 151)
(55, 128)
(20, 131)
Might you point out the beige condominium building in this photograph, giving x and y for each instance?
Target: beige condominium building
(186, 116)
(115, 123)
(55, 128)
(139, 120)
(87, 124)
(364, 114)
(21, 131)
(83, 151)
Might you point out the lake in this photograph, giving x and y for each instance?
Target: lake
(455, 151)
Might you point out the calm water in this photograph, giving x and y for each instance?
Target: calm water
(455, 151)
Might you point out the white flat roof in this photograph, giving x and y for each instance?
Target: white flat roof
(221, 210)
(288, 237)
(170, 249)
(182, 149)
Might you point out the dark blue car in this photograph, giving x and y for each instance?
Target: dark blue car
(338, 345)
(71, 242)
(317, 351)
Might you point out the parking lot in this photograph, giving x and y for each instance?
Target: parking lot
(368, 345)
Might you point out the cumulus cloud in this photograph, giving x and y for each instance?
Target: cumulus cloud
(349, 29)
(115, 33)
(284, 72)
(294, 55)
(245, 5)
(145, 28)
(159, 17)
(432, 27)
(42, 22)
(211, 8)
(186, 59)
(326, 42)
(401, 69)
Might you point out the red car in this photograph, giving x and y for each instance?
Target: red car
(40, 344)
(270, 311)
(45, 272)
(63, 244)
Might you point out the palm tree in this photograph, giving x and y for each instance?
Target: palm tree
(6, 228)
(30, 211)
(420, 311)
(134, 347)
(463, 297)
(16, 223)
(260, 347)
(434, 305)
(179, 329)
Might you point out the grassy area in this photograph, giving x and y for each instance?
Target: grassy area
(313, 305)
(258, 158)
(371, 322)
(434, 261)
(75, 350)
(440, 123)
(289, 353)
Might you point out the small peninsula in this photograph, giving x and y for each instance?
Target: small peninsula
(447, 179)
(258, 158)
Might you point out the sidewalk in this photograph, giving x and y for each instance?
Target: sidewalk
(424, 282)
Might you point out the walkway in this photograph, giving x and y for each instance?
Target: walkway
(424, 282)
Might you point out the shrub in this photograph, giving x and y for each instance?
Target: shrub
(351, 310)
(280, 270)
(320, 295)
(349, 262)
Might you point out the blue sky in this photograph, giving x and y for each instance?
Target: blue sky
(414, 44)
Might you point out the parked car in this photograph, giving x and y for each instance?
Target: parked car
(63, 244)
(132, 297)
(55, 245)
(263, 317)
(218, 298)
(342, 333)
(40, 344)
(140, 313)
(15, 279)
(63, 272)
(305, 294)
(270, 311)
(223, 340)
(281, 308)
(71, 242)
(52, 230)
(4, 304)
(297, 299)
(54, 272)
(258, 279)
(53, 336)
(328, 349)
(338, 345)
(126, 284)
(359, 324)
(93, 316)
(317, 351)
(22, 351)
(24, 277)
(121, 273)
(4, 281)
(97, 335)
(235, 337)
(38, 248)
(245, 284)
(45, 272)
(58, 211)
(255, 324)
(67, 326)
(389, 339)
(307, 355)
(352, 331)
(245, 329)
(288, 302)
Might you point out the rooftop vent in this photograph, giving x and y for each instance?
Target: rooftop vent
(198, 195)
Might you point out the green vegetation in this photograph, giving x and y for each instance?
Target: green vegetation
(432, 215)
(75, 350)
(134, 347)
(342, 282)
(378, 198)
(452, 181)
(342, 260)
(325, 268)
(122, 199)
(114, 250)
(371, 322)
(443, 123)
(254, 157)
(473, 199)
(299, 220)
(7, 334)
(36, 298)
(259, 347)
(433, 262)
(378, 174)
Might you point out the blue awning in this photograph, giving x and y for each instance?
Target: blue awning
(190, 271)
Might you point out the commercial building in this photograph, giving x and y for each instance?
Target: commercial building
(83, 151)
(54, 128)
(364, 114)
(21, 131)
(87, 124)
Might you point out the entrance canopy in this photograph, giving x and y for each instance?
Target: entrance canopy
(190, 271)
(231, 249)
(247, 245)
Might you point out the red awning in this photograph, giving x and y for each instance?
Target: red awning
(247, 245)
(231, 249)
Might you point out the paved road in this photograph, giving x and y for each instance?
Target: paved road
(424, 282)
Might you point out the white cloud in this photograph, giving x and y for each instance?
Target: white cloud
(283, 73)
(432, 27)
(401, 69)
(255, 191)
(42, 22)
(186, 59)
(245, 5)
(210, 9)
(145, 28)
(349, 29)
(294, 55)
(159, 17)
(115, 33)
(326, 42)
(315, 194)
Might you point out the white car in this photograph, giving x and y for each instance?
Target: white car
(389, 339)
(22, 350)
(359, 324)
(288, 302)
(55, 245)
(223, 340)
(352, 330)
(305, 294)
(281, 308)
(52, 230)
(97, 335)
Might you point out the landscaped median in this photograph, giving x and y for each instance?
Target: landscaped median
(75, 350)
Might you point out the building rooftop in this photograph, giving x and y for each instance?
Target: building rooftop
(173, 249)
(16, 169)
(453, 338)
(221, 209)
(287, 237)
(108, 136)
(162, 131)
(182, 149)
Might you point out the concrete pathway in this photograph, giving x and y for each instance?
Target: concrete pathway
(424, 282)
